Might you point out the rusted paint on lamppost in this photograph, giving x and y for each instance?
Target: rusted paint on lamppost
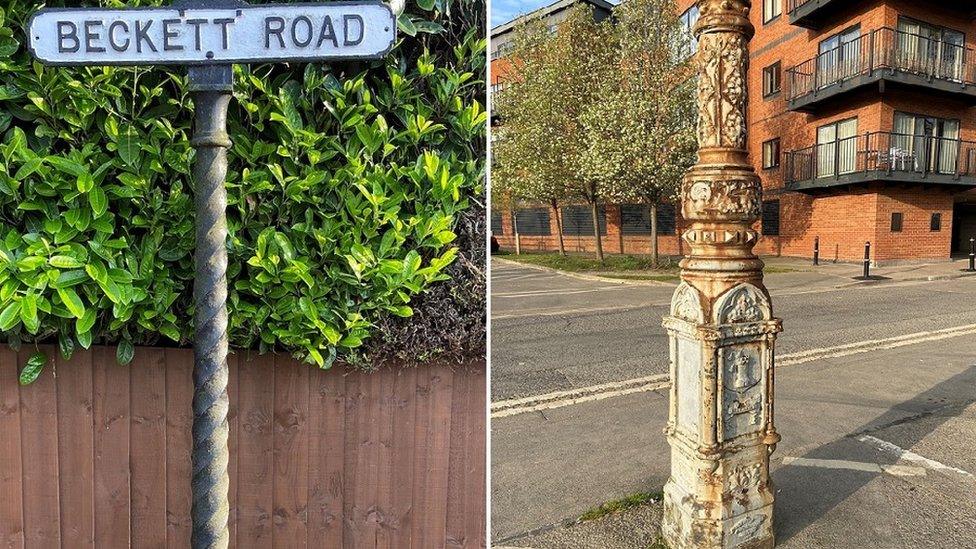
(721, 326)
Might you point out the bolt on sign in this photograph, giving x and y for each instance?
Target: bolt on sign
(209, 36)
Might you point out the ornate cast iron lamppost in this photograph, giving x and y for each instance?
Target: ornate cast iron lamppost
(721, 327)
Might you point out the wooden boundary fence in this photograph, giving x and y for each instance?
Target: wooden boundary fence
(94, 454)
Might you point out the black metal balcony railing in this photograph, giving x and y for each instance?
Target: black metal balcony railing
(884, 51)
(883, 155)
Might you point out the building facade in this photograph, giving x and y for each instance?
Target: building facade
(863, 129)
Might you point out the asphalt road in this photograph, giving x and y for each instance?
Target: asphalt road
(552, 332)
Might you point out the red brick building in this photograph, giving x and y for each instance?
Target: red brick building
(862, 127)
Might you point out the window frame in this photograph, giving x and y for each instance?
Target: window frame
(777, 158)
(766, 19)
(898, 227)
(770, 73)
(935, 222)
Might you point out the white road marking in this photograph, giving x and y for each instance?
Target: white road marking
(555, 292)
(895, 470)
(908, 455)
(559, 312)
(559, 399)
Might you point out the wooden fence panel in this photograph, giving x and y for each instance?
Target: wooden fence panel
(97, 454)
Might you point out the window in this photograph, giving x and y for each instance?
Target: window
(770, 154)
(635, 219)
(533, 222)
(935, 224)
(496, 223)
(772, 79)
(837, 148)
(925, 144)
(930, 50)
(771, 10)
(897, 220)
(840, 57)
(770, 218)
(578, 220)
(688, 20)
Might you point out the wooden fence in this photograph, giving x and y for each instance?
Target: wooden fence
(95, 454)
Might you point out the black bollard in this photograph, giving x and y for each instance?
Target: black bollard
(816, 251)
(972, 255)
(867, 260)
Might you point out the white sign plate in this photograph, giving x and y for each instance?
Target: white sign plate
(198, 36)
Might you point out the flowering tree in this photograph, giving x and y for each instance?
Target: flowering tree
(554, 80)
(640, 137)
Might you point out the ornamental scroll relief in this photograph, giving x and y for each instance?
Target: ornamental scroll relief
(722, 91)
(744, 303)
(739, 199)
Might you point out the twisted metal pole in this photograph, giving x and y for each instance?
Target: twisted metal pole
(211, 87)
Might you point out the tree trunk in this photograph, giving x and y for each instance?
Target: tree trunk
(559, 227)
(518, 238)
(654, 254)
(595, 208)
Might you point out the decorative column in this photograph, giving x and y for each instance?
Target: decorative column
(721, 326)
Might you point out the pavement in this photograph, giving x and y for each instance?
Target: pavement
(875, 399)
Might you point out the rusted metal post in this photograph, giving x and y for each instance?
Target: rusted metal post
(211, 87)
(721, 324)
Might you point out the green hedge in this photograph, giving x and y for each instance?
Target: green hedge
(348, 185)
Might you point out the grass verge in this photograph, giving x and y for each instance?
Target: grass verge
(621, 505)
(611, 264)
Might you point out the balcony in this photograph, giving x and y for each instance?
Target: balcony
(884, 57)
(811, 13)
(882, 156)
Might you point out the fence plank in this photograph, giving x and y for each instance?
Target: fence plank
(290, 453)
(233, 442)
(327, 408)
(404, 452)
(255, 481)
(76, 449)
(39, 448)
(112, 460)
(367, 452)
(456, 467)
(355, 412)
(422, 459)
(11, 469)
(147, 442)
(475, 448)
(383, 467)
(179, 421)
(438, 448)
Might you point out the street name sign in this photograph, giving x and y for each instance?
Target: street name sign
(192, 34)
(209, 37)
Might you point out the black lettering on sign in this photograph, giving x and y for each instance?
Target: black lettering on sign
(168, 34)
(225, 32)
(275, 26)
(91, 36)
(142, 35)
(309, 32)
(68, 31)
(346, 20)
(112, 36)
(196, 23)
(327, 33)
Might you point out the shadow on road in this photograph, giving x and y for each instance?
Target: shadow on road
(805, 494)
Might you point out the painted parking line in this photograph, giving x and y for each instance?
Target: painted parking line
(560, 399)
(908, 455)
